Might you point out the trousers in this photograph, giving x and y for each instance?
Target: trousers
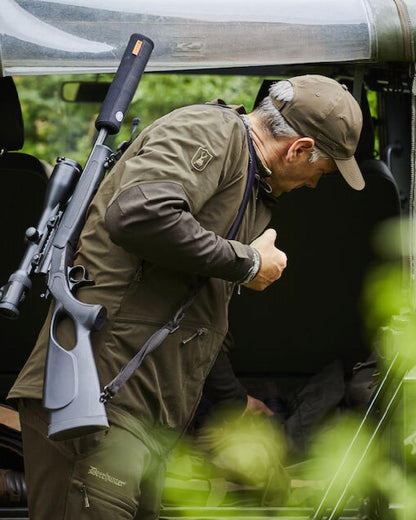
(100, 476)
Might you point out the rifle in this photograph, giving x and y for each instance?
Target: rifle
(71, 385)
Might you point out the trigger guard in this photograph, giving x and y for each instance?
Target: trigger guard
(75, 284)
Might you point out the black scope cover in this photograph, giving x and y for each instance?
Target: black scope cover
(125, 83)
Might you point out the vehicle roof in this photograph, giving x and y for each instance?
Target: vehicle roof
(79, 36)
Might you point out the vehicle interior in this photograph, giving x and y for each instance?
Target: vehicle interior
(284, 339)
(304, 346)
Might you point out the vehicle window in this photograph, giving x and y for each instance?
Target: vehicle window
(54, 127)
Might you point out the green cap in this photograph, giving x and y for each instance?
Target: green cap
(325, 110)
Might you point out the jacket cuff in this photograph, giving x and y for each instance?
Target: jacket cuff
(245, 260)
(254, 269)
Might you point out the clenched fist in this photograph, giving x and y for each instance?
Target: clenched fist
(273, 261)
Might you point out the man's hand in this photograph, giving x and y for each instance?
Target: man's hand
(273, 261)
(257, 407)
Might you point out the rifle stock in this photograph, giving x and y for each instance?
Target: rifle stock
(72, 388)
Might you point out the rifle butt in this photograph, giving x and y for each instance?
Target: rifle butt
(72, 389)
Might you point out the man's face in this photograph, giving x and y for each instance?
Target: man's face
(290, 175)
(288, 158)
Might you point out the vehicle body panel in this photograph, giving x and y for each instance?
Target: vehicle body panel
(43, 36)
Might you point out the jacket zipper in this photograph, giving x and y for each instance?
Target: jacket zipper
(199, 332)
(138, 275)
(85, 496)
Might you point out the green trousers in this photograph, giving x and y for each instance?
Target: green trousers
(106, 475)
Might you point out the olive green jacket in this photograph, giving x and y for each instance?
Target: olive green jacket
(156, 223)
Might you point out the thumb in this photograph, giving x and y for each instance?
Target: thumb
(266, 239)
(270, 234)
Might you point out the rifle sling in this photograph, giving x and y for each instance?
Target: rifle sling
(159, 336)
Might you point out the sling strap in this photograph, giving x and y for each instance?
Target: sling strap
(170, 327)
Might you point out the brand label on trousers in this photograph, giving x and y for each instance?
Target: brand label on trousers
(95, 472)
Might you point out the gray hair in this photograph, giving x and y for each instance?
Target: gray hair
(272, 120)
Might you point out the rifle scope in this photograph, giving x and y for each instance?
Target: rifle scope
(61, 185)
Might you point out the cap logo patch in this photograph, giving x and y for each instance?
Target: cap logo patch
(201, 159)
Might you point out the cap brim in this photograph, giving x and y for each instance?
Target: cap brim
(351, 172)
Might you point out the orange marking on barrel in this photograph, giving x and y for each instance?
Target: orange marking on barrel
(137, 47)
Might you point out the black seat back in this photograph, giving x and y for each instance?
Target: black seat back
(23, 184)
(312, 315)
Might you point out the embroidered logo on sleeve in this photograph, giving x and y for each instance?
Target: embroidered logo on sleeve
(201, 159)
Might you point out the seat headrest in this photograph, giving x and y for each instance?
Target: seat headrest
(11, 129)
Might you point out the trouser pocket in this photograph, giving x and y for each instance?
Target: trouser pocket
(87, 501)
(96, 478)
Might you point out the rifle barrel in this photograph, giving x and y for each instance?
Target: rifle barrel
(125, 83)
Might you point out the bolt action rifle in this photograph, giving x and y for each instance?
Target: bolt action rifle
(71, 385)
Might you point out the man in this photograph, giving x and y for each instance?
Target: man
(156, 225)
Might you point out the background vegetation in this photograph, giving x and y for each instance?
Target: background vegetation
(54, 127)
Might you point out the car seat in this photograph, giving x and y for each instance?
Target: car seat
(23, 180)
(311, 316)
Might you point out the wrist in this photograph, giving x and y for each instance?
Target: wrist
(254, 269)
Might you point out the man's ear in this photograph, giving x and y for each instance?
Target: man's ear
(300, 149)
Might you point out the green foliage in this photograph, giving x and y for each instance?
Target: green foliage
(54, 127)
(234, 459)
(372, 101)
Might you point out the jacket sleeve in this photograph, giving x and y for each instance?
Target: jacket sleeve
(153, 220)
(153, 214)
